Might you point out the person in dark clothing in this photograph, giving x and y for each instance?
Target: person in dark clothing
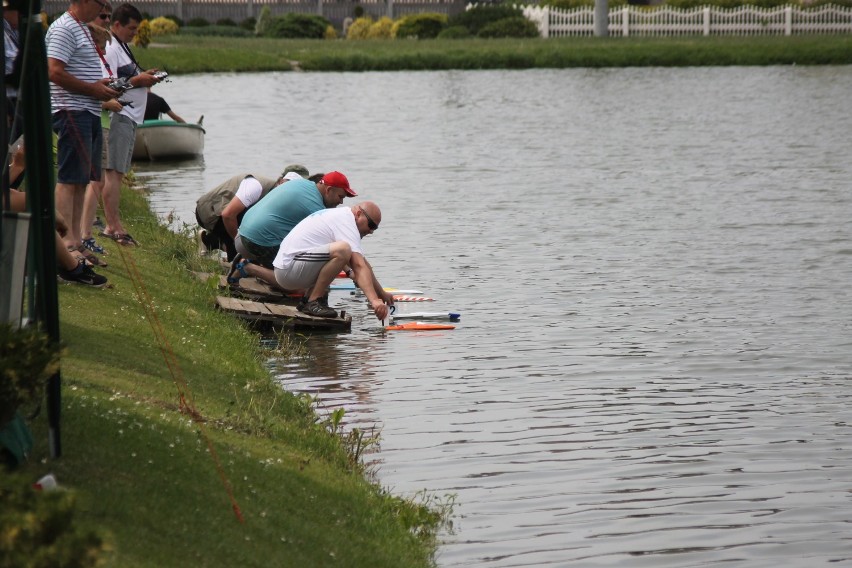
(156, 106)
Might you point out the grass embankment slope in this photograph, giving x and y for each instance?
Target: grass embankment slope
(141, 469)
(200, 54)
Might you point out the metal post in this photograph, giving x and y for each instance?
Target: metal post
(601, 18)
(35, 97)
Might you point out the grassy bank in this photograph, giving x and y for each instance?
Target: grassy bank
(194, 54)
(142, 470)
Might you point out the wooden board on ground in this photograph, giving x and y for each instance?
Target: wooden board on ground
(254, 289)
(278, 314)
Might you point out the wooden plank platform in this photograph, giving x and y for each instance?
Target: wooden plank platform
(254, 289)
(278, 314)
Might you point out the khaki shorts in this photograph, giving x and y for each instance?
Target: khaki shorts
(122, 137)
(304, 270)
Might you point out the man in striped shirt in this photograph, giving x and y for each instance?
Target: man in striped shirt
(74, 66)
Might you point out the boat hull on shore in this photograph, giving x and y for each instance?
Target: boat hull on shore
(168, 140)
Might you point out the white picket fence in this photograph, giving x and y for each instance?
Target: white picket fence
(703, 20)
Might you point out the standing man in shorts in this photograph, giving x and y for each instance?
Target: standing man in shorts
(122, 129)
(77, 88)
(99, 28)
(318, 248)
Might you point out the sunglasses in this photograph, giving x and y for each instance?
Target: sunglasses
(370, 223)
(104, 16)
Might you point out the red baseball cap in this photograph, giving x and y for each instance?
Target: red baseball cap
(337, 179)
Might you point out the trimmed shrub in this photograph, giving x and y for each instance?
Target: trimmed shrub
(517, 26)
(420, 26)
(359, 28)
(226, 22)
(175, 19)
(358, 12)
(248, 24)
(163, 26)
(143, 34)
(381, 29)
(197, 23)
(27, 359)
(263, 21)
(454, 32)
(40, 528)
(220, 31)
(480, 16)
(305, 26)
(330, 32)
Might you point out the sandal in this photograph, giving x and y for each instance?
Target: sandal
(90, 258)
(241, 268)
(122, 239)
(93, 245)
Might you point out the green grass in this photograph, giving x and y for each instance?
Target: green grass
(183, 54)
(141, 469)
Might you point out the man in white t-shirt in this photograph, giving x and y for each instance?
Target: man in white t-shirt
(320, 246)
(122, 127)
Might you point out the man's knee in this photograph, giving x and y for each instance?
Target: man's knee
(340, 250)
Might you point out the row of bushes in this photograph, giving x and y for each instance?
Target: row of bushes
(483, 22)
(486, 21)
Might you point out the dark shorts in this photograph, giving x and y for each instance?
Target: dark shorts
(261, 255)
(79, 138)
(217, 237)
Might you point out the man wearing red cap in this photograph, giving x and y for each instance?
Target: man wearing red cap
(266, 224)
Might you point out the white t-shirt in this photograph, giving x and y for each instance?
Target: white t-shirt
(321, 228)
(123, 66)
(249, 192)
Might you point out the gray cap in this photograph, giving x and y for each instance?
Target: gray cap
(301, 170)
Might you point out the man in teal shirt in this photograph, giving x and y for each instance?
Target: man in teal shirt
(267, 223)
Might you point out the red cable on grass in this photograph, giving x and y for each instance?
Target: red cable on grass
(185, 402)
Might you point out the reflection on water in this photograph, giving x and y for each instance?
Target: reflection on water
(652, 365)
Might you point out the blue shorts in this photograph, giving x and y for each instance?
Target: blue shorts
(79, 138)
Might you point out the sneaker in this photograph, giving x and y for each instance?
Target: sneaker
(93, 245)
(314, 308)
(82, 275)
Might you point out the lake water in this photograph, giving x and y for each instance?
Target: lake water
(652, 366)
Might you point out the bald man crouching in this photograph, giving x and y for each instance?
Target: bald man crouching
(323, 244)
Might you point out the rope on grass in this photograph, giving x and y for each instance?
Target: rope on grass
(186, 404)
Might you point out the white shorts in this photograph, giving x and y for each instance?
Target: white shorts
(304, 270)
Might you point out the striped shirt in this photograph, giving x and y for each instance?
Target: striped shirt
(69, 41)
